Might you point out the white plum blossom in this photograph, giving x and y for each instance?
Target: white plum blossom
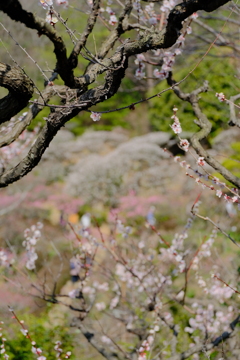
(50, 18)
(46, 3)
(62, 2)
(207, 319)
(73, 293)
(24, 331)
(103, 287)
(168, 5)
(100, 306)
(176, 126)
(184, 144)
(35, 350)
(32, 235)
(221, 292)
(113, 20)
(194, 16)
(109, 10)
(181, 40)
(219, 193)
(201, 161)
(221, 97)
(140, 74)
(114, 302)
(152, 16)
(95, 116)
(140, 57)
(123, 230)
(168, 62)
(105, 339)
(160, 74)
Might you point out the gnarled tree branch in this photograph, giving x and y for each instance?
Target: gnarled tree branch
(20, 88)
(115, 70)
(57, 119)
(21, 125)
(14, 10)
(205, 129)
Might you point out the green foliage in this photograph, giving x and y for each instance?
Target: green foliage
(232, 164)
(220, 76)
(19, 347)
(214, 355)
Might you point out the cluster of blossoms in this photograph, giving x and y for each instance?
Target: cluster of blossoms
(222, 293)
(123, 230)
(35, 350)
(176, 252)
(2, 346)
(177, 129)
(137, 275)
(216, 290)
(152, 16)
(51, 18)
(6, 258)
(32, 235)
(24, 331)
(209, 321)
(142, 15)
(184, 144)
(59, 350)
(176, 126)
(113, 19)
(168, 62)
(100, 306)
(140, 73)
(145, 347)
(48, 5)
(176, 248)
(168, 5)
(235, 199)
(169, 56)
(146, 15)
(205, 250)
(137, 6)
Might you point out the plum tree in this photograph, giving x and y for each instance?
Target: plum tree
(152, 30)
